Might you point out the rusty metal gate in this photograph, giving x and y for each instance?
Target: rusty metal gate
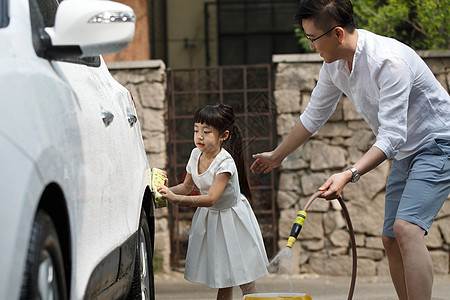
(248, 89)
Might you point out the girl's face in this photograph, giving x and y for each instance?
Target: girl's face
(207, 138)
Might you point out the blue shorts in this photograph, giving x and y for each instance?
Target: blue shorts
(418, 186)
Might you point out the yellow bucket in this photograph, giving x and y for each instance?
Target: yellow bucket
(277, 296)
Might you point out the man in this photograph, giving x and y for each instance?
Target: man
(409, 112)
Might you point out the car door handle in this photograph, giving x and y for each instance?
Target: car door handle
(132, 119)
(107, 118)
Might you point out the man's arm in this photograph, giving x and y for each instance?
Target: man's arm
(267, 161)
(336, 183)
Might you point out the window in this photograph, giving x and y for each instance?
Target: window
(4, 13)
(249, 31)
(158, 40)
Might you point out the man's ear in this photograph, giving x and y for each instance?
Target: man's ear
(339, 33)
(225, 135)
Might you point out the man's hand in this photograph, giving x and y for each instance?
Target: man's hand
(267, 161)
(335, 184)
(264, 162)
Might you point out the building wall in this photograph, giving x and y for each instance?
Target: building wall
(186, 33)
(139, 49)
(323, 245)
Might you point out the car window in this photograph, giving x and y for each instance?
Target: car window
(48, 10)
(42, 14)
(4, 14)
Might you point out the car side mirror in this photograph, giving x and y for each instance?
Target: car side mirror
(90, 27)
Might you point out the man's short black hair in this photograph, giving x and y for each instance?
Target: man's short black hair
(327, 13)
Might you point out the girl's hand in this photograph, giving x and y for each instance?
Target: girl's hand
(166, 182)
(166, 192)
(335, 184)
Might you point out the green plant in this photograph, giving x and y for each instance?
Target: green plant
(421, 24)
(302, 40)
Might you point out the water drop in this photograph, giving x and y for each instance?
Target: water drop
(282, 262)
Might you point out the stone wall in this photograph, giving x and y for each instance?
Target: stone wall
(323, 246)
(146, 80)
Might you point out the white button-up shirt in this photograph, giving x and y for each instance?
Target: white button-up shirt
(393, 90)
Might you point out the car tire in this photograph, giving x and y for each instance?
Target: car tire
(44, 276)
(143, 281)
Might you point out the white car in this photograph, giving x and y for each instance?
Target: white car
(76, 210)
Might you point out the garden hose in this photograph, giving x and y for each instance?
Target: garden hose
(298, 224)
(296, 227)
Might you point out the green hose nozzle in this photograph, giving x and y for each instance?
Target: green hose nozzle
(296, 227)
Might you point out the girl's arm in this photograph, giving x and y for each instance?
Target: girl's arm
(185, 187)
(215, 191)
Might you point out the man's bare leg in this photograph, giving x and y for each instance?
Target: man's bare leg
(395, 266)
(417, 264)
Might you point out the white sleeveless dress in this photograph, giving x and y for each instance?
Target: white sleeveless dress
(225, 243)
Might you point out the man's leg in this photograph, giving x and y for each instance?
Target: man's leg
(417, 188)
(394, 190)
(395, 266)
(417, 264)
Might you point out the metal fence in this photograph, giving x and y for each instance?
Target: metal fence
(248, 89)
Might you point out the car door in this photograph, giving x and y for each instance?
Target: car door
(106, 207)
(38, 119)
(66, 124)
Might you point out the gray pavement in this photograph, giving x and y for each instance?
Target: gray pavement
(174, 286)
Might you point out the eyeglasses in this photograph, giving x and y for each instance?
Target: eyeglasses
(315, 39)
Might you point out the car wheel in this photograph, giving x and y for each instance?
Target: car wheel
(44, 276)
(143, 283)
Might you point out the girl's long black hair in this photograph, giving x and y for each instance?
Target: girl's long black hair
(221, 117)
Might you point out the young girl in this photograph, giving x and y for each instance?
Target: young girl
(225, 247)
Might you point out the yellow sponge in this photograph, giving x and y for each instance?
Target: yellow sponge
(158, 177)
